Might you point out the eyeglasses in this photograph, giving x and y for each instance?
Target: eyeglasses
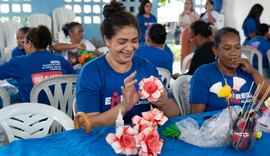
(192, 36)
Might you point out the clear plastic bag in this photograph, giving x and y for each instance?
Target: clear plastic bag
(214, 132)
(12, 91)
(264, 121)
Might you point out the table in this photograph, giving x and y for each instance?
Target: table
(77, 143)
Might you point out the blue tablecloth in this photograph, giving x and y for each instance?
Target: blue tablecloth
(79, 143)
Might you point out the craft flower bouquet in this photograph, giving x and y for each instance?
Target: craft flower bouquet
(85, 56)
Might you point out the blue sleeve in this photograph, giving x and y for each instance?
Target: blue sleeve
(10, 69)
(88, 89)
(199, 89)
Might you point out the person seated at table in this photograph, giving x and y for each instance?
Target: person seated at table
(37, 65)
(201, 37)
(261, 43)
(227, 48)
(75, 44)
(19, 50)
(154, 51)
(110, 82)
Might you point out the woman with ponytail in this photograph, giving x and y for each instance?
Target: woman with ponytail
(38, 64)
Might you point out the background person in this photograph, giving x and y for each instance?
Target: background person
(19, 50)
(252, 21)
(187, 17)
(104, 96)
(37, 65)
(72, 48)
(210, 15)
(262, 44)
(145, 18)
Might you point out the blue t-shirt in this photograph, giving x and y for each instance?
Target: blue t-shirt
(99, 86)
(158, 57)
(209, 74)
(249, 26)
(144, 23)
(17, 52)
(262, 45)
(30, 69)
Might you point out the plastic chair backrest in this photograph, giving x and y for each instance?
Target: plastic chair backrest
(61, 97)
(165, 76)
(181, 91)
(4, 96)
(103, 50)
(74, 107)
(185, 62)
(61, 16)
(40, 19)
(268, 56)
(31, 120)
(249, 52)
(10, 30)
(2, 41)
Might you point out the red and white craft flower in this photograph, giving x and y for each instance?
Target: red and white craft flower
(149, 141)
(123, 141)
(143, 139)
(151, 88)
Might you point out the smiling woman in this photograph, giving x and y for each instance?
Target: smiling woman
(114, 76)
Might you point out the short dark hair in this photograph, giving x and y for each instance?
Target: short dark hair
(116, 18)
(202, 28)
(157, 33)
(24, 29)
(262, 29)
(40, 37)
(220, 33)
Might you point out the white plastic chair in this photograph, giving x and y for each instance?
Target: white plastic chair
(31, 120)
(165, 76)
(40, 19)
(103, 50)
(4, 96)
(61, 96)
(185, 62)
(181, 91)
(249, 53)
(61, 16)
(10, 30)
(268, 56)
(74, 107)
(2, 41)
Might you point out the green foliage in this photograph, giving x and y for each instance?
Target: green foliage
(176, 51)
(172, 131)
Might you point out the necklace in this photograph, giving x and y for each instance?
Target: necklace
(225, 80)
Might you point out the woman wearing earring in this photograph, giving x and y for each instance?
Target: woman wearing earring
(98, 90)
(187, 17)
(145, 19)
(227, 48)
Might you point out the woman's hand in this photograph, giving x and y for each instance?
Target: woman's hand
(131, 95)
(80, 46)
(244, 64)
(162, 100)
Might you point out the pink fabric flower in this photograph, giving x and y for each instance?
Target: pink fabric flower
(151, 88)
(123, 141)
(149, 142)
(155, 116)
(140, 123)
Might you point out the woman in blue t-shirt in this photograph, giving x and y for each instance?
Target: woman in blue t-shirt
(110, 82)
(227, 48)
(145, 18)
(252, 21)
(19, 50)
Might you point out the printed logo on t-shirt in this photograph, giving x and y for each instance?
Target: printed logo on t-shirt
(115, 99)
(38, 77)
(148, 23)
(241, 98)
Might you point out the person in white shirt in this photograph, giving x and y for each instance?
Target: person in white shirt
(210, 15)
